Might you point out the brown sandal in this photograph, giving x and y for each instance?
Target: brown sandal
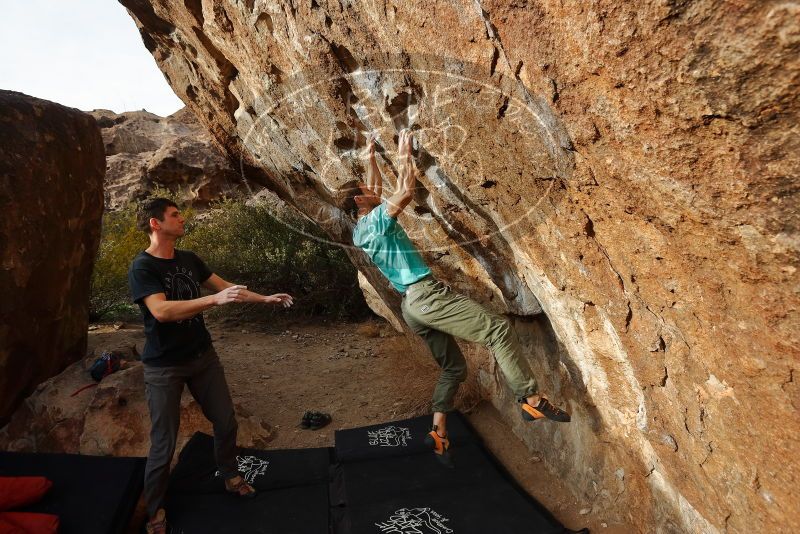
(240, 488)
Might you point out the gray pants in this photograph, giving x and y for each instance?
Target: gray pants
(438, 314)
(163, 388)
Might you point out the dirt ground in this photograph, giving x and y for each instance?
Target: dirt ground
(361, 374)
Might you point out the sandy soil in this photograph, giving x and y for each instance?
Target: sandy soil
(360, 374)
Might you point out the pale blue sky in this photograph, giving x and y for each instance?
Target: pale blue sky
(85, 54)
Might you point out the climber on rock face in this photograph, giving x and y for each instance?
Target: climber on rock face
(165, 283)
(431, 308)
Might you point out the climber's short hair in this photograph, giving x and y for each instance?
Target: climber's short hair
(350, 207)
(347, 194)
(152, 208)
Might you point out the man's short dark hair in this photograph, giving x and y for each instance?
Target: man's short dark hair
(152, 208)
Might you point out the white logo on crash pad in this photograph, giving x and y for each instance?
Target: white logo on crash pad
(415, 521)
(390, 436)
(250, 466)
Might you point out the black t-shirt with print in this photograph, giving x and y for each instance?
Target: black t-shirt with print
(179, 278)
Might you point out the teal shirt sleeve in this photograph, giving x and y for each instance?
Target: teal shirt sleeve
(379, 222)
(389, 248)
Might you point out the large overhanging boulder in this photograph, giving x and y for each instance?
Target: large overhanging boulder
(629, 168)
(51, 192)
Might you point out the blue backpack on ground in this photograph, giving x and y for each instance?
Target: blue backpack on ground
(107, 363)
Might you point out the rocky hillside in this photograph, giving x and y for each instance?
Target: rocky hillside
(628, 168)
(145, 152)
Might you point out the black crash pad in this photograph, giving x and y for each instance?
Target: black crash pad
(90, 494)
(299, 510)
(416, 493)
(292, 492)
(397, 438)
(377, 480)
(196, 469)
(385, 481)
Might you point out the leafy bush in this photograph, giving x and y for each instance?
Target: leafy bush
(120, 241)
(242, 244)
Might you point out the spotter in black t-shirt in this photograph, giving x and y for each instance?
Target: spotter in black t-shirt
(179, 278)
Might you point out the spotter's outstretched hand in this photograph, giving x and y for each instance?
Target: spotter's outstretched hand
(283, 299)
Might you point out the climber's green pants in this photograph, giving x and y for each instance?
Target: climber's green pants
(437, 314)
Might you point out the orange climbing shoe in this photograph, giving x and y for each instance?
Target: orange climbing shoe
(543, 410)
(440, 446)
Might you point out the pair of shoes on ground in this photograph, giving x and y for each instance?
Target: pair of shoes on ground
(544, 409)
(315, 420)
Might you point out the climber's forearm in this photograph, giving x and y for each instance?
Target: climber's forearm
(374, 177)
(396, 203)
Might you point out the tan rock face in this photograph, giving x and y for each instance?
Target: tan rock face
(630, 168)
(109, 419)
(51, 194)
(145, 151)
